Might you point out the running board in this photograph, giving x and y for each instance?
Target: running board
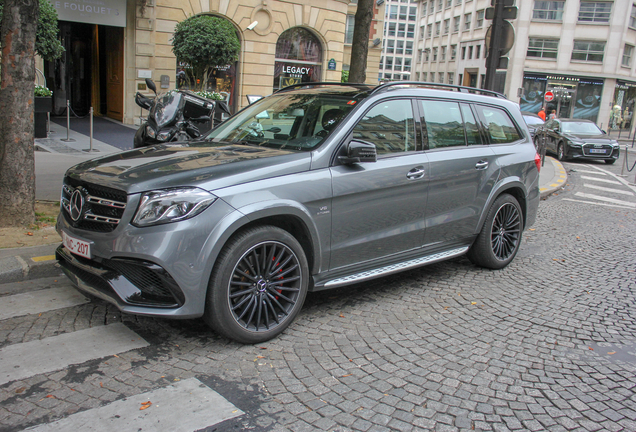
(395, 268)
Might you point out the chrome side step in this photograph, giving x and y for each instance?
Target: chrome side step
(395, 268)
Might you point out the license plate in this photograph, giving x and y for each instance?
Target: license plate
(602, 151)
(76, 246)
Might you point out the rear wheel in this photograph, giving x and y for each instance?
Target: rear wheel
(258, 285)
(500, 237)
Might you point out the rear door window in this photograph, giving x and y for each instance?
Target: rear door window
(498, 125)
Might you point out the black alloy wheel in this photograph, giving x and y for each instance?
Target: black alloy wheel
(258, 286)
(561, 152)
(500, 237)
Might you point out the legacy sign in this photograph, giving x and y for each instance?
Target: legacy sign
(105, 12)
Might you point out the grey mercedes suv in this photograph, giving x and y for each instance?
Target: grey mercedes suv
(314, 187)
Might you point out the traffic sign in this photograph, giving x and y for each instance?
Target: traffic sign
(507, 38)
(549, 96)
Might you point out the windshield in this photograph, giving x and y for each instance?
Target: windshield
(165, 108)
(294, 121)
(582, 128)
(532, 120)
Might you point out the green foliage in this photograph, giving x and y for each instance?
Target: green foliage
(209, 95)
(205, 42)
(47, 43)
(344, 76)
(41, 91)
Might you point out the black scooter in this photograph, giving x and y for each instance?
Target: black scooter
(177, 115)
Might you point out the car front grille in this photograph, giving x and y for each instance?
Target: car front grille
(96, 208)
(588, 150)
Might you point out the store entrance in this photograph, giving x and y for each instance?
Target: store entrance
(90, 73)
(564, 94)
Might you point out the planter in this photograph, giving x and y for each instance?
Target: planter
(41, 107)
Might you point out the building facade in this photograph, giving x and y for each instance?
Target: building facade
(111, 49)
(580, 51)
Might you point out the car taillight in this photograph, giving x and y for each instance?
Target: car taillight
(537, 161)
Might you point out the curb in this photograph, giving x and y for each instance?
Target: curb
(17, 265)
(558, 181)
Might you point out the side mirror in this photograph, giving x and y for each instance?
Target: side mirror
(604, 133)
(151, 85)
(359, 151)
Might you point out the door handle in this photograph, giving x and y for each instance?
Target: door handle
(415, 173)
(481, 165)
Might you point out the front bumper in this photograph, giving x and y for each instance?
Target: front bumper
(585, 152)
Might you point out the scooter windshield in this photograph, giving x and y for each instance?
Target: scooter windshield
(166, 108)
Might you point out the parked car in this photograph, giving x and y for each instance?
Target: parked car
(533, 121)
(578, 139)
(314, 187)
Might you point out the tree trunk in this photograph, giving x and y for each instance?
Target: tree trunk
(17, 161)
(360, 45)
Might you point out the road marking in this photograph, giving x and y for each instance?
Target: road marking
(188, 405)
(622, 180)
(28, 359)
(606, 199)
(40, 301)
(601, 188)
(588, 172)
(43, 258)
(600, 180)
(596, 203)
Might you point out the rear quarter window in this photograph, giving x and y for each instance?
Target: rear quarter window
(498, 125)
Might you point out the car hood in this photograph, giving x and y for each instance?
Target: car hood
(202, 164)
(594, 139)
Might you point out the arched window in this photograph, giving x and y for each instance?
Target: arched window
(298, 58)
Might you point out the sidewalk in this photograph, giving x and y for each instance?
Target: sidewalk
(55, 156)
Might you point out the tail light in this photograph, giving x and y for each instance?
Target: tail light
(537, 161)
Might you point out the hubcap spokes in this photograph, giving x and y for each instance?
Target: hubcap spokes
(264, 287)
(506, 228)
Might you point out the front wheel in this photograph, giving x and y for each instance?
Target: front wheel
(561, 152)
(610, 161)
(500, 237)
(258, 285)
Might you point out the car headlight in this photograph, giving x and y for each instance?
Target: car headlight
(163, 136)
(171, 205)
(151, 132)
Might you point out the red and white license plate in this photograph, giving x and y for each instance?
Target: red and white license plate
(76, 246)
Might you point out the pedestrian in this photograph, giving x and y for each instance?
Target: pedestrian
(542, 113)
(553, 114)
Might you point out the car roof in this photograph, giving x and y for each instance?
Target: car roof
(530, 114)
(574, 120)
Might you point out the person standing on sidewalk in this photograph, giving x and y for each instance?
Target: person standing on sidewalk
(553, 115)
(542, 113)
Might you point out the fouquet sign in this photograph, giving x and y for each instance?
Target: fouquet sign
(107, 12)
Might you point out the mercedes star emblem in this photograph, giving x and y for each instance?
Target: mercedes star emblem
(77, 202)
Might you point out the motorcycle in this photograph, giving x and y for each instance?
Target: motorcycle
(178, 115)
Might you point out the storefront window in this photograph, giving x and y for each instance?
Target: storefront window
(624, 99)
(298, 58)
(588, 99)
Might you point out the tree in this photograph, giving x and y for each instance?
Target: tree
(360, 45)
(17, 161)
(27, 27)
(205, 42)
(47, 42)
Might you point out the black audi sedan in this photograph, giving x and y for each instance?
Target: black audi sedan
(578, 139)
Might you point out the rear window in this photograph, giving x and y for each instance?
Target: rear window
(498, 125)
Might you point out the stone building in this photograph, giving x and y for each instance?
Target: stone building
(113, 45)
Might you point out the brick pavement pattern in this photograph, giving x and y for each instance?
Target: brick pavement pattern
(549, 343)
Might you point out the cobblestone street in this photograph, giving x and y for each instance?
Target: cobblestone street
(548, 343)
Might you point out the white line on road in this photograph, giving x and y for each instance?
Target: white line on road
(622, 180)
(27, 359)
(600, 180)
(40, 301)
(606, 199)
(588, 172)
(595, 203)
(604, 189)
(188, 405)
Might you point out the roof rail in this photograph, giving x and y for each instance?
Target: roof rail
(321, 84)
(462, 89)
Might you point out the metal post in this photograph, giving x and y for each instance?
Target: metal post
(91, 149)
(622, 174)
(68, 122)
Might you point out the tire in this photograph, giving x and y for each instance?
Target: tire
(500, 237)
(610, 161)
(258, 285)
(561, 152)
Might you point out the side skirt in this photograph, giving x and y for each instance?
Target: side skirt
(390, 269)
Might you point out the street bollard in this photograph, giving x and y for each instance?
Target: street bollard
(91, 149)
(622, 174)
(68, 122)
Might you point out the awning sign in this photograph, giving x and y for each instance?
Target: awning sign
(105, 12)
